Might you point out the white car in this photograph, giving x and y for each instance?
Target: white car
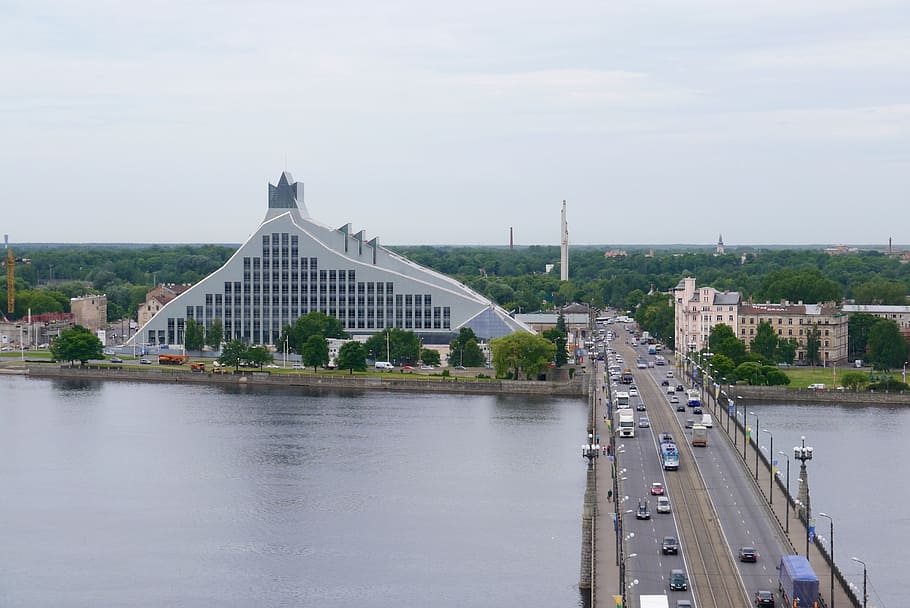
(663, 504)
(427, 367)
(633, 392)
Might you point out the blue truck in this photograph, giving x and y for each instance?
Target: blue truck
(797, 582)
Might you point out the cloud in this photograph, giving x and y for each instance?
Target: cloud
(837, 55)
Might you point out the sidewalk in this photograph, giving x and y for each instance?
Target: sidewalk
(606, 572)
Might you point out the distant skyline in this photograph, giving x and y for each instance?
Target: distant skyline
(665, 122)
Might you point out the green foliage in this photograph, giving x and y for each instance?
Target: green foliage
(775, 377)
(656, 316)
(215, 334)
(315, 351)
(521, 352)
(352, 356)
(430, 356)
(786, 350)
(889, 384)
(312, 324)
(881, 291)
(724, 342)
(403, 346)
(258, 356)
(77, 344)
(559, 340)
(193, 335)
(232, 354)
(765, 341)
(464, 349)
(795, 285)
(750, 373)
(813, 345)
(723, 366)
(858, 329)
(854, 380)
(887, 348)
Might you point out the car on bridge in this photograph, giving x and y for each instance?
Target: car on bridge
(657, 489)
(680, 407)
(764, 599)
(663, 504)
(643, 512)
(679, 388)
(697, 411)
(669, 546)
(689, 423)
(641, 406)
(748, 554)
(674, 399)
(665, 437)
(678, 580)
(665, 382)
(643, 422)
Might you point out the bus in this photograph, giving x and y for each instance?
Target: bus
(622, 400)
(669, 456)
(692, 398)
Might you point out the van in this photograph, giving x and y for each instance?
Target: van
(384, 366)
(706, 421)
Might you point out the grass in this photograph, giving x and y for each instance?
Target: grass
(803, 377)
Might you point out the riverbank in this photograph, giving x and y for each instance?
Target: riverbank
(780, 394)
(329, 380)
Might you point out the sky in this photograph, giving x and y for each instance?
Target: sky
(769, 122)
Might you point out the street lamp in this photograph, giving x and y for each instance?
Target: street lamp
(736, 420)
(755, 439)
(590, 451)
(804, 453)
(865, 596)
(787, 497)
(771, 464)
(831, 535)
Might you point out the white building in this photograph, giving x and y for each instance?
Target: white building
(292, 265)
(698, 310)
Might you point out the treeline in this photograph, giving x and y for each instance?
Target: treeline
(515, 279)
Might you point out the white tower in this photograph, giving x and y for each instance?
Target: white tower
(564, 247)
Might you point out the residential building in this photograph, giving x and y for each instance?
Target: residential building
(698, 310)
(156, 298)
(90, 311)
(898, 314)
(796, 321)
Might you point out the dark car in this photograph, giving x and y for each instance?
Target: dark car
(697, 411)
(748, 554)
(679, 388)
(764, 599)
(641, 407)
(665, 382)
(678, 580)
(669, 545)
(643, 511)
(680, 407)
(116, 360)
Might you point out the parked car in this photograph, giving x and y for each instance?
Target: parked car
(764, 599)
(427, 367)
(669, 546)
(657, 489)
(663, 504)
(116, 360)
(748, 554)
(145, 361)
(408, 368)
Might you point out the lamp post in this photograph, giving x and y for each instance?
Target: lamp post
(787, 497)
(804, 453)
(622, 576)
(831, 536)
(865, 596)
(755, 439)
(771, 465)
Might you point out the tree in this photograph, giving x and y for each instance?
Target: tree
(786, 350)
(352, 356)
(429, 356)
(521, 352)
(854, 380)
(399, 345)
(193, 335)
(215, 334)
(813, 345)
(233, 353)
(723, 341)
(765, 341)
(77, 344)
(258, 355)
(750, 372)
(881, 291)
(315, 351)
(887, 348)
(858, 328)
(775, 377)
(723, 366)
(314, 323)
(558, 338)
(464, 350)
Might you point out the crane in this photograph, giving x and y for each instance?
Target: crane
(10, 264)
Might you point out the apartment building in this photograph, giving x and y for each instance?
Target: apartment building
(698, 309)
(795, 321)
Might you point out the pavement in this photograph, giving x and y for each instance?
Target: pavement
(606, 573)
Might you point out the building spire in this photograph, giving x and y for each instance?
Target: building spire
(564, 247)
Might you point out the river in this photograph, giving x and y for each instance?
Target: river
(171, 495)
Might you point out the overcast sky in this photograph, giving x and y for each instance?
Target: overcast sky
(771, 122)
